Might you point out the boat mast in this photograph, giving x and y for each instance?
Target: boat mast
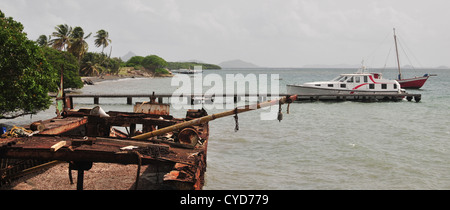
(398, 60)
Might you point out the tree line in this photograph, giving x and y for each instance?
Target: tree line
(73, 40)
(152, 63)
(27, 77)
(31, 69)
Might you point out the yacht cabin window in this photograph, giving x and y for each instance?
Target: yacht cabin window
(338, 78)
(357, 79)
(350, 80)
(365, 79)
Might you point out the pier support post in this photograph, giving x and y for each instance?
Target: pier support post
(262, 98)
(417, 98)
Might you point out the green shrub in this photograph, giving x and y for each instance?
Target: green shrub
(161, 71)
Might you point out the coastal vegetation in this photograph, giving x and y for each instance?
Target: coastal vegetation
(151, 63)
(73, 41)
(95, 64)
(31, 69)
(27, 76)
(102, 39)
(190, 65)
(63, 61)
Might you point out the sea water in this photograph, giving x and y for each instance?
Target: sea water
(319, 145)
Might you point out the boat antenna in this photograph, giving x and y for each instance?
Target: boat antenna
(363, 68)
(398, 60)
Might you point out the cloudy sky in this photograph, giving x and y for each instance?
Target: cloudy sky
(269, 33)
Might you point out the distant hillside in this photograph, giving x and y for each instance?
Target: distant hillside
(357, 66)
(237, 64)
(127, 56)
(338, 66)
(442, 67)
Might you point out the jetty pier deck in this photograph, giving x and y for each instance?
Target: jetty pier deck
(199, 98)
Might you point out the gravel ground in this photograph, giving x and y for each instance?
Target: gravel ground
(102, 176)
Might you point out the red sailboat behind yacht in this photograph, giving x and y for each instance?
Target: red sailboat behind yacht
(414, 83)
(410, 83)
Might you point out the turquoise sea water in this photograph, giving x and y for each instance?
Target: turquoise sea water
(319, 145)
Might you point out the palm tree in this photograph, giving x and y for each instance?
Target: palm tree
(78, 45)
(90, 69)
(61, 35)
(43, 41)
(102, 39)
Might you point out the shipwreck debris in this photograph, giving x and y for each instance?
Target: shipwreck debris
(175, 148)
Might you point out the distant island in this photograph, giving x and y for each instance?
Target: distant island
(179, 64)
(232, 64)
(342, 65)
(191, 65)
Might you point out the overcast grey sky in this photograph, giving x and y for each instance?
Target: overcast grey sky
(270, 33)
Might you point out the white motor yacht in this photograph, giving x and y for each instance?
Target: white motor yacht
(361, 82)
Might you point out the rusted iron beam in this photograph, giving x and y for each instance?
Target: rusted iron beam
(208, 118)
(5, 142)
(152, 108)
(59, 126)
(107, 150)
(81, 155)
(139, 115)
(119, 121)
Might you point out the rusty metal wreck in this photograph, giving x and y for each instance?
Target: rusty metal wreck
(176, 147)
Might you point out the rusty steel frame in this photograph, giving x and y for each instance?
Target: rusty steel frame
(102, 148)
(179, 145)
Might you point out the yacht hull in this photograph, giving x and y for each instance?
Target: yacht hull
(328, 93)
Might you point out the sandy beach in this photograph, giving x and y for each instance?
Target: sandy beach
(94, 80)
(102, 176)
(125, 73)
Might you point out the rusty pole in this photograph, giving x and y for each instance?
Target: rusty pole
(208, 118)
